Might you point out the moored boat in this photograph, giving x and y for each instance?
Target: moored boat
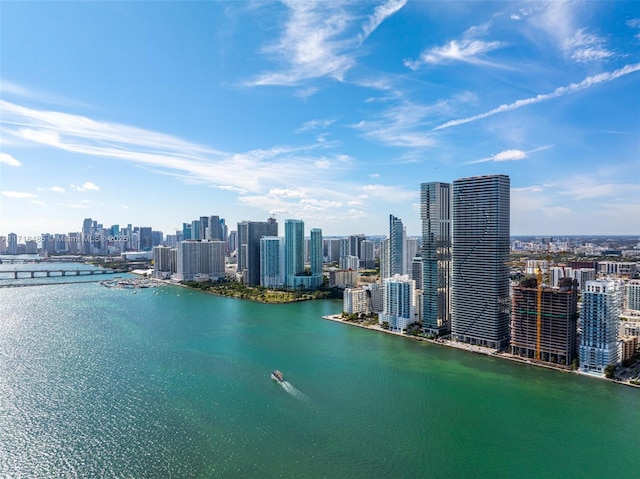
(278, 376)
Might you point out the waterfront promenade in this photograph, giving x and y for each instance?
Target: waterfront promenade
(472, 348)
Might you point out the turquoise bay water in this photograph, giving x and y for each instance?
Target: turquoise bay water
(98, 382)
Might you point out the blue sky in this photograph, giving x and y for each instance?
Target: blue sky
(156, 113)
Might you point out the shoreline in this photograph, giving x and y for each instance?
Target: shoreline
(475, 349)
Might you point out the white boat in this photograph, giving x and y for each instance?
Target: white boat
(277, 376)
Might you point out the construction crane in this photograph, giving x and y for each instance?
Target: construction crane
(539, 313)
(547, 280)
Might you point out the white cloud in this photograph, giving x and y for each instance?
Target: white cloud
(18, 194)
(165, 154)
(7, 159)
(584, 47)
(286, 193)
(38, 202)
(588, 82)
(87, 186)
(380, 14)
(314, 125)
(319, 41)
(57, 189)
(510, 155)
(468, 51)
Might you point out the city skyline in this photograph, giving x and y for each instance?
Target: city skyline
(327, 112)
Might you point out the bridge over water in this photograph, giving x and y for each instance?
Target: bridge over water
(47, 273)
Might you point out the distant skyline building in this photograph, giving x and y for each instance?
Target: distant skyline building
(632, 295)
(480, 261)
(367, 254)
(599, 321)
(12, 243)
(435, 213)
(397, 237)
(145, 238)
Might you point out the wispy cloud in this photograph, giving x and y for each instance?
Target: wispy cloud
(57, 189)
(465, 50)
(588, 82)
(319, 124)
(320, 40)
(584, 47)
(87, 186)
(164, 153)
(380, 14)
(510, 155)
(19, 194)
(7, 159)
(401, 125)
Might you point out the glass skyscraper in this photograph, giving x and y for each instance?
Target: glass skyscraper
(396, 246)
(480, 258)
(293, 250)
(435, 212)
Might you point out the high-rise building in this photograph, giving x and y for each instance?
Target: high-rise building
(355, 245)
(396, 246)
(186, 231)
(271, 261)
(558, 321)
(632, 295)
(164, 261)
(435, 213)
(255, 231)
(157, 237)
(385, 264)
(200, 259)
(416, 271)
(411, 247)
(87, 233)
(599, 321)
(480, 259)
(315, 244)
(12, 243)
(399, 303)
(232, 242)
(356, 300)
(196, 230)
(145, 238)
(293, 250)
(243, 238)
(367, 254)
(3, 244)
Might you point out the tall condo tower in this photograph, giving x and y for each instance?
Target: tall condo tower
(316, 251)
(480, 260)
(435, 212)
(600, 318)
(255, 231)
(396, 246)
(293, 250)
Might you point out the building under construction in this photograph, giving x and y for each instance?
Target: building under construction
(544, 321)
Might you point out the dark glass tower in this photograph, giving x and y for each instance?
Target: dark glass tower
(435, 212)
(480, 258)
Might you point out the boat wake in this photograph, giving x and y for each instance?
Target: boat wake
(291, 389)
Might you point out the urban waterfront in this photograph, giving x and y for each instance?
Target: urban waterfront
(172, 382)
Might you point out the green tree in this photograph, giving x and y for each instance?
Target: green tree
(610, 371)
